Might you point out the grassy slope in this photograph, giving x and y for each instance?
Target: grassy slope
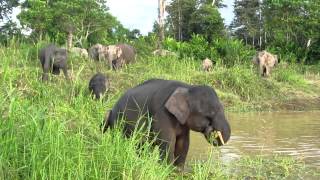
(50, 130)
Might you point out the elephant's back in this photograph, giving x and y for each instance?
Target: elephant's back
(128, 52)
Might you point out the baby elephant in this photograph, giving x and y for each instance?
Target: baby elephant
(172, 108)
(79, 52)
(266, 62)
(53, 59)
(206, 64)
(98, 85)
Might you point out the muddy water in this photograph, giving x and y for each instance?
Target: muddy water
(295, 134)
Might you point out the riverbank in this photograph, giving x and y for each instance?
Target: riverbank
(50, 130)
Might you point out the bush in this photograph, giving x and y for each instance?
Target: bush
(197, 48)
(233, 52)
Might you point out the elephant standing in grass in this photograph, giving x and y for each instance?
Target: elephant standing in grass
(118, 55)
(98, 85)
(79, 52)
(266, 61)
(94, 51)
(175, 108)
(53, 59)
(207, 64)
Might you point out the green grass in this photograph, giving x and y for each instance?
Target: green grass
(51, 130)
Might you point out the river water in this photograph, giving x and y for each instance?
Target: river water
(295, 134)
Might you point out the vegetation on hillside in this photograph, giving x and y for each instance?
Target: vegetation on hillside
(51, 130)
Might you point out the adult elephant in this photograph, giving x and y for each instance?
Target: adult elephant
(118, 55)
(266, 62)
(175, 108)
(94, 51)
(52, 59)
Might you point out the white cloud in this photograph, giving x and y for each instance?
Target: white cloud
(135, 14)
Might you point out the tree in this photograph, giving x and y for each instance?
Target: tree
(161, 10)
(246, 23)
(207, 21)
(68, 19)
(179, 15)
(188, 17)
(6, 7)
(36, 15)
(8, 31)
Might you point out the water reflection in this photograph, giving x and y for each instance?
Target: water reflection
(291, 133)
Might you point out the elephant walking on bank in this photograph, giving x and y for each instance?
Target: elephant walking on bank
(175, 108)
(52, 59)
(118, 55)
(94, 51)
(266, 62)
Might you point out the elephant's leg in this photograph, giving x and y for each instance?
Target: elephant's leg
(166, 138)
(267, 71)
(181, 149)
(167, 141)
(113, 65)
(261, 69)
(65, 72)
(55, 70)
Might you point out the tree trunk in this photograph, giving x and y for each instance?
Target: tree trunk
(253, 41)
(179, 23)
(69, 40)
(161, 11)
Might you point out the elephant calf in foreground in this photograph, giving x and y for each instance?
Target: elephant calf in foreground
(266, 62)
(98, 85)
(52, 60)
(206, 64)
(175, 108)
(118, 55)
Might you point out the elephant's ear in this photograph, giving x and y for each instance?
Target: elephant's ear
(177, 104)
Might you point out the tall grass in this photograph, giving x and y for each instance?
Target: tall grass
(51, 130)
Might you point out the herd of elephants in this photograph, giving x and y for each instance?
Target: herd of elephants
(175, 107)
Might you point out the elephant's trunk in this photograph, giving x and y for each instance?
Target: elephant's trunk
(219, 133)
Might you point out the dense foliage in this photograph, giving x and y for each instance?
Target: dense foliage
(288, 27)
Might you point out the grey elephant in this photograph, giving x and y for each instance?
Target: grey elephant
(118, 55)
(53, 59)
(98, 85)
(175, 108)
(79, 52)
(94, 51)
(266, 61)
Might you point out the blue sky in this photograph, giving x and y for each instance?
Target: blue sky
(140, 14)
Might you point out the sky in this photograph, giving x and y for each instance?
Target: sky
(141, 14)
